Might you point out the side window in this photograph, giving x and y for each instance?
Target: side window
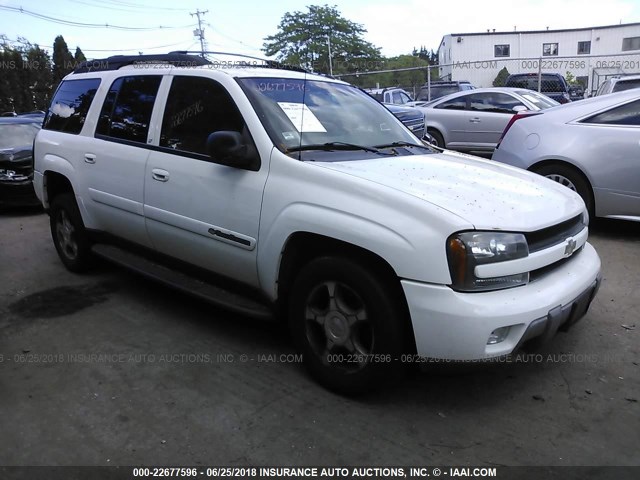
(127, 108)
(70, 105)
(493, 103)
(397, 98)
(627, 114)
(197, 107)
(459, 103)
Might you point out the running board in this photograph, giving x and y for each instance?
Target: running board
(190, 285)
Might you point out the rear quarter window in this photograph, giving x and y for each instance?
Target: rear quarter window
(70, 105)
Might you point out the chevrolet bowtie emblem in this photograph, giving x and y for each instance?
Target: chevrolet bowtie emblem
(570, 247)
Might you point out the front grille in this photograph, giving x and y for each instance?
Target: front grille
(547, 237)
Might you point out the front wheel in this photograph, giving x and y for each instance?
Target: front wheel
(69, 235)
(347, 322)
(438, 140)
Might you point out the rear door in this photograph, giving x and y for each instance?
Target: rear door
(114, 161)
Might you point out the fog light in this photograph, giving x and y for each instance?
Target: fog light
(498, 335)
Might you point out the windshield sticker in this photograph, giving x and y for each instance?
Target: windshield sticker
(289, 135)
(302, 117)
(280, 86)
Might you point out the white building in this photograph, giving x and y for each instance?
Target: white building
(592, 54)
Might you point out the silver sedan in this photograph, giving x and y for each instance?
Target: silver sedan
(473, 121)
(591, 146)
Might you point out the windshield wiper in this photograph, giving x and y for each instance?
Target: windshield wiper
(402, 144)
(329, 146)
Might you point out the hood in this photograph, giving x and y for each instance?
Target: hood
(488, 195)
(404, 113)
(16, 157)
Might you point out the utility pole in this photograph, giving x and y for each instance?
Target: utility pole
(330, 62)
(199, 33)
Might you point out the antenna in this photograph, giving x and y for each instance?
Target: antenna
(199, 33)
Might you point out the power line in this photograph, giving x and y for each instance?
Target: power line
(126, 7)
(86, 25)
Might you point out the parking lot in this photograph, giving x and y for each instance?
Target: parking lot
(111, 369)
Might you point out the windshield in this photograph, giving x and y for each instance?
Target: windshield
(437, 91)
(626, 85)
(539, 100)
(299, 115)
(17, 135)
(549, 83)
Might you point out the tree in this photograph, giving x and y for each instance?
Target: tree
(79, 56)
(303, 39)
(501, 78)
(62, 59)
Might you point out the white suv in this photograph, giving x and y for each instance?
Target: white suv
(277, 192)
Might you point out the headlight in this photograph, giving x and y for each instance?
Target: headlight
(467, 250)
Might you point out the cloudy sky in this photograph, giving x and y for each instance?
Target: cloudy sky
(240, 26)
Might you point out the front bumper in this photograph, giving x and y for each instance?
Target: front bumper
(20, 193)
(456, 326)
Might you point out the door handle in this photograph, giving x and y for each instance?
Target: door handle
(89, 158)
(474, 120)
(160, 175)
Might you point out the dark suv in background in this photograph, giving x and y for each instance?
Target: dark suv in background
(553, 85)
(440, 89)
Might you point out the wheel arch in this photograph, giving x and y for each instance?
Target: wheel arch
(302, 247)
(556, 161)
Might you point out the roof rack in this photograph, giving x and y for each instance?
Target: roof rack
(267, 62)
(177, 59)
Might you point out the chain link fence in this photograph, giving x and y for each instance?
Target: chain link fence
(582, 74)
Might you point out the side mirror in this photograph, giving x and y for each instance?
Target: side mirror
(227, 148)
(519, 108)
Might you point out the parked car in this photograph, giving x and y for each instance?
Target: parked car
(277, 192)
(618, 84)
(391, 95)
(473, 121)
(553, 85)
(576, 92)
(440, 89)
(412, 118)
(16, 161)
(589, 146)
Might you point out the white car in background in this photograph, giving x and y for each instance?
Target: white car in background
(473, 121)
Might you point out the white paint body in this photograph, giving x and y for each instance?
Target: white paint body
(402, 209)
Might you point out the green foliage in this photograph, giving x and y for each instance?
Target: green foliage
(408, 79)
(26, 77)
(501, 78)
(63, 62)
(79, 56)
(303, 40)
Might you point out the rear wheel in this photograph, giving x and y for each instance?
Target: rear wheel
(69, 235)
(570, 178)
(347, 324)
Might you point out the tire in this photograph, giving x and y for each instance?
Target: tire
(572, 179)
(437, 137)
(69, 234)
(345, 320)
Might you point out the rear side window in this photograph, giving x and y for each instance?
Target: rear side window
(494, 102)
(70, 105)
(459, 103)
(127, 108)
(197, 107)
(627, 114)
(626, 85)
